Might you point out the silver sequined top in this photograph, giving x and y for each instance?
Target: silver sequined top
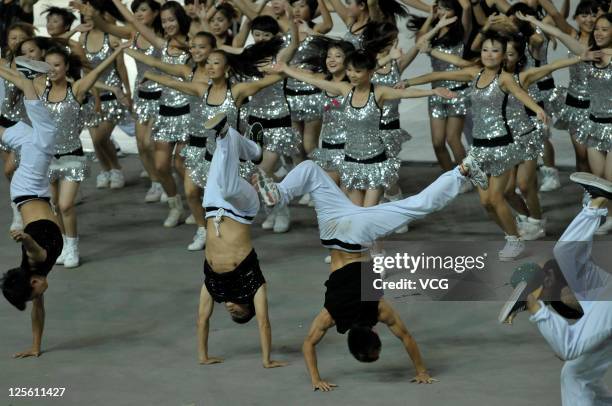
(390, 108)
(202, 111)
(68, 117)
(518, 120)
(487, 109)
(441, 66)
(12, 106)
(579, 79)
(172, 97)
(333, 125)
(600, 86)
(141, 68)
(110, 76)
(354, 38)
(361, 123)
(270, 102)
(305, 51)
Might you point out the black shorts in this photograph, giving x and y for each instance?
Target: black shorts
(47, 234)
(238, 286)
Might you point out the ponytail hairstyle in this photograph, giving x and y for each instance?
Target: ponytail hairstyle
(455, 33)
(184, 21)
(73, 62)
(246, 63)
(378, 36)
(65, 13)
(360, 59)
(154, 6)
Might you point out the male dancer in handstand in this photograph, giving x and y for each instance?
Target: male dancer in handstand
(41, 239)
(586, 346)
(345, 228)
(231, 269)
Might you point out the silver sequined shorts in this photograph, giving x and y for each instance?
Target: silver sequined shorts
(595, 135)
(172, 128)
(71, 168)
(495, 161)
(572, 114)
(197, 163)
(361, 176)
(531, 144)
(328, 159)
(444, 108)
(146, 105)
(393, 140)
(306, 107)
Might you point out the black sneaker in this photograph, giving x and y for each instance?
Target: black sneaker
(218, 124)
(256, 134)
(31, 68)
(526, 278)
(595, 186)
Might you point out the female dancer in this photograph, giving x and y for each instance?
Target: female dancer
(12, 109)
(172, 121)
(446, 117)
(214, 95)
(218, 20)
(493, 148)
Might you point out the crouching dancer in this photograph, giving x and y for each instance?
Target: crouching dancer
(41, 239)
(231, 269)
(345, 228)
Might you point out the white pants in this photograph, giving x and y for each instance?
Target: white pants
(224, 187)
(36, 144)
(342, 220)
(586, 345)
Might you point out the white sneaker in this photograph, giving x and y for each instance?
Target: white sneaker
(199, 240)
(550, 179)
(17, 223)
(176, 211)
(154, 193)
(475, 174)
(117, 181)
(327, 259)
(605, 227)
(190, 220)
(71, 259)
(60, 259)
(305, 200)
(103, 180)
(282, 221)
(268, 223)
(164, 197)
(512, 250)
(144, 174)
(531, 229)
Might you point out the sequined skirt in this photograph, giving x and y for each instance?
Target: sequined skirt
(393, 140)
(171, 128)
(328, 159)
(305, 107)
(596, 135)
(440, 107)
(363, 176)
(282, 140)
(198, 166)
(71, 168)
(569, 116)
(145, 109)
(495, 161)
(531, 144)
(112, 111)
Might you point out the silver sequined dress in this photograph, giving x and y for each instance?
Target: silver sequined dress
(11, 108)
(201, 145)
(493, 146)
(596, 131)
(526, 132)
(366, 165)
(354, 38)
(330, 155)
(303, 98)
(391, 133)
(547, 95)
(172, 121)
(440, 107)
(69, 162)
(147, 94)
(111, 110)
(269, 107)
(575, 109)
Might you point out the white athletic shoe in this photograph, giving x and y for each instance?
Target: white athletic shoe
(512, 250)
(550, 179)
(475, 174)
(117, 181)
(60, 259)
(282, 222)
(176, 211)
(605, 227)
(71, 259)
(190, 220)
(103, 180)
(268, 191)
(164, 197)
(305, 200)
(144, 174)
(268, 223)
(199, 240)
(17, 223)
(532, 229)
(154, 193)
(30, 67)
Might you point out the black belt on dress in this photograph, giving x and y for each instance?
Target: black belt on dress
(292, 92)
(494, 142)
(194, 141)
(576, 102)
(601, 120)
(6, 123)
(173, 111)
(547, 84)
(393, 125)
(382, 157)
(107, 97)
(143, 94)
(327, 145)
(212, 208)
(271, 122)
(76, 152)
(462, 87)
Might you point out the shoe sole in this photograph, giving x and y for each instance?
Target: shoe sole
(507, 309)
(585, 178)
(264, 189)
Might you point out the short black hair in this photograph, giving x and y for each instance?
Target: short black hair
(364, 343)
(205, 34)
(360, 59)
(265, 24)
(65, 13)
(16, 287)
(246, 317)
(586, 7)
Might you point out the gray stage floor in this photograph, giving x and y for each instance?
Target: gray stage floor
(121, 328)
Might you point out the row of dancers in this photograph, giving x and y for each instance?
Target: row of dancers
(232, 274)
(335, 101)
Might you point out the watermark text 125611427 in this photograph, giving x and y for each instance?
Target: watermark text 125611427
(36, 392)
